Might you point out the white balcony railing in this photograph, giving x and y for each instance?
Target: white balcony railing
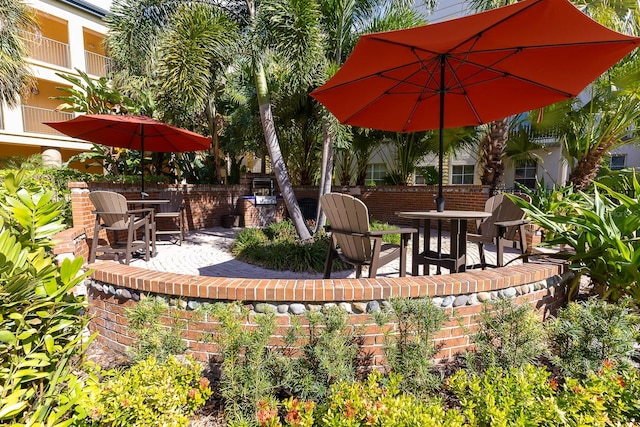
(97, 65)
(33, 119)
(48, 50)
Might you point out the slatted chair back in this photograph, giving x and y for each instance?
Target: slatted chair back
(112, 207)
(175, 201)
(501, 209)
(345, 213)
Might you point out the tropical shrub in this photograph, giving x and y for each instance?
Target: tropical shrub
(409, 349)
(601, 229)
(41, 320)
(508, 335)
(584, 334)
(150, 393)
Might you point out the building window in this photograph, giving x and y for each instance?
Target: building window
(462, 174)
(376, 172)
(617, 162)
(526, 173)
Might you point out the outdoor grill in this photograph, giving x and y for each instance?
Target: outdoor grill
(262, 190)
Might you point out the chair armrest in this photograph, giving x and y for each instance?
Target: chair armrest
(512, 223)
(392, 231)
(134, 211)
(109, 213)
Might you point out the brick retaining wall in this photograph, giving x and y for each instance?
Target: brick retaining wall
(115, 287)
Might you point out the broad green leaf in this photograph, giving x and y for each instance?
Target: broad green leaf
(8, 337)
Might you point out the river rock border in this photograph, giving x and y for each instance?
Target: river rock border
(354, 307)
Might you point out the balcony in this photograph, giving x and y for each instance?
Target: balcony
(34, 117)
(48, 50)
(97, 65)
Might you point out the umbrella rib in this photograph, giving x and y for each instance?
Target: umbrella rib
(424, 88)
(374, 100)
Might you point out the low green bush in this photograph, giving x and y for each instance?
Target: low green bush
(150, 393)
(369, 403)
(277, 247)
(608, 397)
(246, 361)
(507, 397)
(584, 334)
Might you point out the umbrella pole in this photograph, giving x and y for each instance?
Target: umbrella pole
(439, 198)
(142, 193)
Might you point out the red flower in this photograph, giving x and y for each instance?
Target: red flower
(204, 382)
(265, 415)
(553, 383)
(621, 381)
(193, 393)
(607, 364)
(577, 389)
(293, 417)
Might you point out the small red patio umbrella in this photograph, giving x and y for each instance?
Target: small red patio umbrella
(472, 70)
(134, 132)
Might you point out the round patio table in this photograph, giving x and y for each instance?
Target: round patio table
(456, 260)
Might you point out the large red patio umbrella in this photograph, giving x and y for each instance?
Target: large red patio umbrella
(472, 70)
(134, 132)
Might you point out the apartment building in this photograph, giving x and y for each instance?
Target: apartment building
(71, 37)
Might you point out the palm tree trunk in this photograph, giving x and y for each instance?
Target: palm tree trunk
(279, 167)
(210, 112)
(491, 150)
(585, 171)
(326, 173)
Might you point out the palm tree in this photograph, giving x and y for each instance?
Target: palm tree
(607, 121)
(343, 22)
(195, 52)
(15, 76)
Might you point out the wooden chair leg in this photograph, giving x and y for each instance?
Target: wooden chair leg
(181, 222)
(524, 249)
(404, 241)
(483, 260)
(94, 243)
(375, 257)
(151, 236)
(131, 235)
(328, 265)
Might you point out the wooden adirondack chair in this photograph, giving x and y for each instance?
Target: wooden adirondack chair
(353, 242)
(507, 221)
(112, 215)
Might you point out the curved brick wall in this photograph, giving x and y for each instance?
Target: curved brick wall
(114, 287)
